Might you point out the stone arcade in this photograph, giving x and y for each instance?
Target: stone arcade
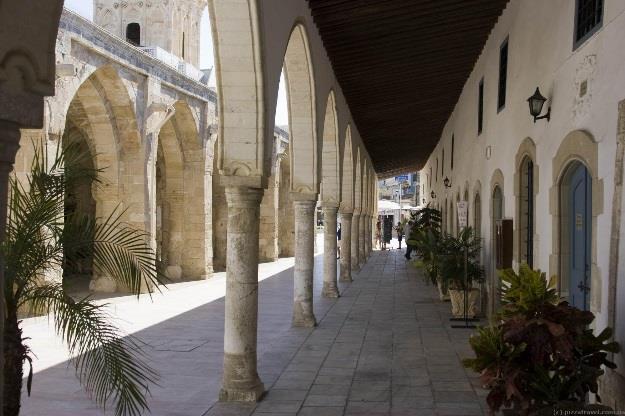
(439, 87)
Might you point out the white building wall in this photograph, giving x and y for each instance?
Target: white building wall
(541, 38)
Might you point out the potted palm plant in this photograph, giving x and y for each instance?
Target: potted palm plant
(459, 269)
(541, 358)
(41, 235)
(426, 239)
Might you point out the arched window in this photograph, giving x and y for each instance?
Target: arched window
(526, 210)
(133, 34)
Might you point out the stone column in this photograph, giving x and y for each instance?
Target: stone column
(346, 246)
(330, 285)
(355, 241)
(361, 241)
(367, 236)
(303, 315)
(240, 379)
(9, 144)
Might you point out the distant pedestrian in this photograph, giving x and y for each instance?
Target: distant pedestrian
(338, 238)
(399, 231)
(408, 235)
(378, 235)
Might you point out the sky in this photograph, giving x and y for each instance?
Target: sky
(85, 9)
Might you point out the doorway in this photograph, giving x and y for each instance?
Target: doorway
(576, 234)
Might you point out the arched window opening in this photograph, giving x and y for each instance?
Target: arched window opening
(133, 34)
(526, 209)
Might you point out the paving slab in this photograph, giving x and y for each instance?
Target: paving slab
(385, 347)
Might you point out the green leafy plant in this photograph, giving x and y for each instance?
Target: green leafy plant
(451, 260)
(425, 238)
(542, 354)
(41, 236)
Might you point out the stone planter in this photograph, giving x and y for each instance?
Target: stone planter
(457, 303)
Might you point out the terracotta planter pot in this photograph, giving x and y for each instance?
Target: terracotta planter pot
(457, 303)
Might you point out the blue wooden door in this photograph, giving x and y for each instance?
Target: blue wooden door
(580, 229)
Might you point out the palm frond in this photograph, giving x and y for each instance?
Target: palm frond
(118, 251)
(109, 366)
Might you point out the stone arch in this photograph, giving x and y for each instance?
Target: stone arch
(180, 200)
(103, 112)
(330, 168)
(347, 179)
(358, 181)
(240, 91)
(300, 83)
(526, 188)
(578, 147)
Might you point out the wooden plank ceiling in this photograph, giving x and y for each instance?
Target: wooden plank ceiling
(401, 65)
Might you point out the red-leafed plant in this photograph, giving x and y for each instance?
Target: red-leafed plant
(542, 354)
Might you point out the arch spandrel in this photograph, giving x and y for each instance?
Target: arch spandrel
(330, 168)
(347, 180)
(299, 80)
(358, 182)
(240, 87)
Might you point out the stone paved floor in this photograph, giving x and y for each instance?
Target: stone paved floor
(384, 348)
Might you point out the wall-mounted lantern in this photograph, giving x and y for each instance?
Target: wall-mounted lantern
(423, 201)
(447, 182)
(536, 102)
(433, 195)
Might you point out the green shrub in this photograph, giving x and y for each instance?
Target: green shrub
(542, 353)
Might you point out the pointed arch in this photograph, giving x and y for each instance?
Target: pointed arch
(300, 86)
(180, 198)
(100, 116)
(330, 168)
(358, 182)
(347, 188)
(240, 90)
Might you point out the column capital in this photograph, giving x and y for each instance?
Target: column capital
(303, 196)
(329, 205)
(356, 212)
(243, 197)
(250, 182)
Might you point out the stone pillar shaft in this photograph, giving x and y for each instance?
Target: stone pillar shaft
(346, 246)
(361, 241)
(367, 236)
(9, 144)
(240, 379)
(303, 315)
(330, 286)
(355, 241)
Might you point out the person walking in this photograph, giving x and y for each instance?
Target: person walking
(338, 237)
(408, 235)
(378, 235)
(399, 231)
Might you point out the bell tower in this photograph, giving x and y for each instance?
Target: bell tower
(172, 25)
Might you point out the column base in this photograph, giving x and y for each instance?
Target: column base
(252, 394)
(303, 316)
(330, 291)
(346, 279)
(241, 382)
(355, 267)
